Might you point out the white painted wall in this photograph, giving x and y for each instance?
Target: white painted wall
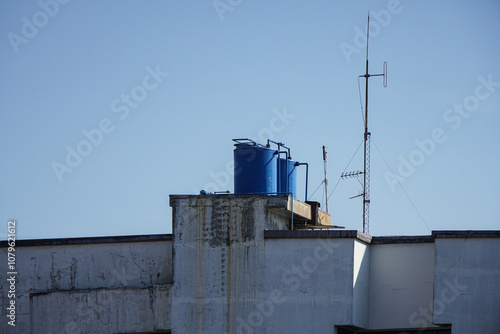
(361, 283)
(314, 279)
(401, 282)
(467, 285)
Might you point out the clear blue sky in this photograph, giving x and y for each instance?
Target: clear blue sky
(168, 84)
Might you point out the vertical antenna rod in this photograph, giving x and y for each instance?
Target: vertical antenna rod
(367, 135)
(366, 164)
(325, 181)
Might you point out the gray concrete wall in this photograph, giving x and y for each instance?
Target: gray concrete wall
(60, 268)
(124, 310)
(467, 284)
(219, 259)
(401, 283)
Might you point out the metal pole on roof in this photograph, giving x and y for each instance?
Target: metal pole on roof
(325, 181)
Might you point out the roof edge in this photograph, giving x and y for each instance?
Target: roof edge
(88, 240)
(403, 239)
(379, 240)
(308, 234)
(466, 234)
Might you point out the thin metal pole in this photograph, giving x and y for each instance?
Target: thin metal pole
(326, 180)
(367, 75)
(278, 179)
(307, 177)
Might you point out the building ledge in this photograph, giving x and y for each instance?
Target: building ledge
(269, 234)
(89, 240)
(467, 234)
(298, 234)
(304, 234)
(402, 239)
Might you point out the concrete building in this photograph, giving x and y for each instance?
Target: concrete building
(233, 265)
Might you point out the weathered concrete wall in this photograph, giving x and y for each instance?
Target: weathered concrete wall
(55, 268)
(123, 310)
(467, 284)
(219, 259)
(401, 283)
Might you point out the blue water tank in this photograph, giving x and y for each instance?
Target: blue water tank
(255, 169)
(288, 177)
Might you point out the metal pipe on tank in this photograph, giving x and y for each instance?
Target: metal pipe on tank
(307, 173)
(287, 181)
(279, 169)
(279, 146)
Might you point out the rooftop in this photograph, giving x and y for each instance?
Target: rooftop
(271, 234)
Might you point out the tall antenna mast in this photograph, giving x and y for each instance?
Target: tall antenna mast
(366, 164)
(367, 135)
(325, 180)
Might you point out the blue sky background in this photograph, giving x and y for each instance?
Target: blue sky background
(230, 74)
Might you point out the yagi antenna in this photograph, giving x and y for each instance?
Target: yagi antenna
(367, 135)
